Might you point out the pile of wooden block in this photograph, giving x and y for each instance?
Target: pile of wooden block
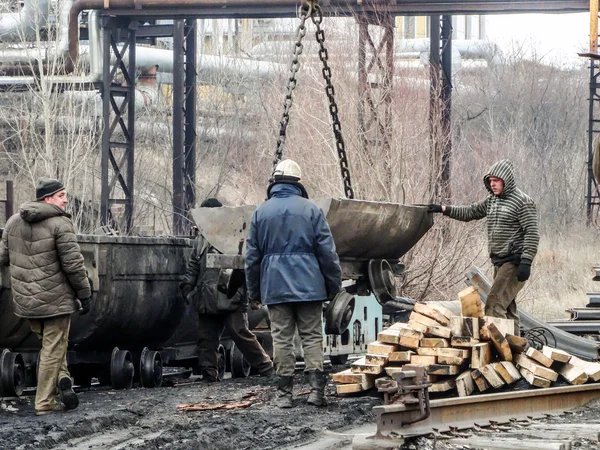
(470, 353)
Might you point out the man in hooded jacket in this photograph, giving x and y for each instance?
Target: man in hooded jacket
(292, 267)
(513, 236)
(49, 283)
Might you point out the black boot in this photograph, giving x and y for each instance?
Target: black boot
(317, 381)
(68, 397)
(284, 392)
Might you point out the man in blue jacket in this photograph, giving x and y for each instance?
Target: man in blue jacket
(292, 267)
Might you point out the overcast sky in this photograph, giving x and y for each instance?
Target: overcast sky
(556, 36)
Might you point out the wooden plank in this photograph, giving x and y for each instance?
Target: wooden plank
(361, 366)
(452, 360)
(434, 342)
(388, 337)
(350, 388)
(465, 384)
(374, 358)
(492, 376)
(539, 357)
(442, 386)
(380, 348)
(409, 342)
(423, 360)
(535, 368)
(506, 326)
(463, 341)
(591, 369)
(417, 326)
(443, 332)
(573, 374)
(465, 326)
(479, 380)
(443, 369)
(403, 329)
(556, 354)
(402, 356)
(516, 343)
(507, 371)
(481, 355)
(423, 320)
(533, 379)
(349, 377)
(456, 352)
(470, 302)
(444, 311)
(500, 342)
(431, 312)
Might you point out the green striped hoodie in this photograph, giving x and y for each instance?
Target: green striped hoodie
(512, 225)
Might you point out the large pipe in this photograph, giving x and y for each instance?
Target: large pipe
(23, 25)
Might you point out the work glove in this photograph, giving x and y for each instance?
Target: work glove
(185, 289)
(86, 304)
(433, 208)
(255, 304)
(331, 296)
(524, 270)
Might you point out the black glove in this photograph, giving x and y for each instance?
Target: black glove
(185, 289)
(524, 270)
(255, 304)
(330, 297)
(86, 304)
(433, 208)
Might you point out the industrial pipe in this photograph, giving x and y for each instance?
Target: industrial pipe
(23, 25)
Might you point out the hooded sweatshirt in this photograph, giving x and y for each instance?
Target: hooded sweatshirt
(46, 265)
(512, 225)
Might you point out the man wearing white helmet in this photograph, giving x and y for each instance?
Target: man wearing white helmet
(292, 267)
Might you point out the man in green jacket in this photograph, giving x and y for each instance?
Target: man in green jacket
(49, 283)
(513, 236)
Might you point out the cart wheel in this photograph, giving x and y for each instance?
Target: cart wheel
(12, 374)
(151, 375)
(121, 369)
(240, 368)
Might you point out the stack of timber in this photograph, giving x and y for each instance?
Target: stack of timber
(466, 354)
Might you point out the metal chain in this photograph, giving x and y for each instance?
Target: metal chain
(333, 109)
(306, 11)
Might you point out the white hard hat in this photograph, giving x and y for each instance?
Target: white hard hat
(287, 168)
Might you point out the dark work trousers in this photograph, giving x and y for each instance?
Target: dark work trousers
(307, 317)
(210, 329)
(501, 301)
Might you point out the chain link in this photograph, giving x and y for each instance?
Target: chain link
(305, 13)
(333, 108)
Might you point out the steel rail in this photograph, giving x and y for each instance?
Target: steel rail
(481, 410)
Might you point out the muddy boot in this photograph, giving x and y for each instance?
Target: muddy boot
(317, 381)
(284, 392)
(68, 397)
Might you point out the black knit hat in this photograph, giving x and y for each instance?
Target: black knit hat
(46, 187)
(211, 203)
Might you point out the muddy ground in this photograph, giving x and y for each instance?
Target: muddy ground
(149, 418)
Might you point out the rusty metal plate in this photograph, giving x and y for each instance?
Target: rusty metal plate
(361, 229)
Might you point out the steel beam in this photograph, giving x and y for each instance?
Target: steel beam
(480, 410)
(191, 76)
(178, 126)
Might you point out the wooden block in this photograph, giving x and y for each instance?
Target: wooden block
(507, 371)
(443, 369)
(556, 354)
(479, 380)
(534, 380)
(417, 326)
(470, 302)
(423, 360)
(535, 368)
(481, 355)
(432, 378)
(465, 326)
(443, 310)
(452, 360)
(373, 358)
(463, 341)
(492, 376)
(424, 320)
(361, 366)
(386, 383)
(506, 326)
(398, 357)
(591, 369)
(403, 329)
(431, 312)
(443, 332)
(465, 384)
(380, 348)
(350, 388)
(516, 343)
(390, 370)
(456, 352)
(573, 375)
(538, 356)
(409, 342)
(500, 342)
(442, 386)
(349, 377)
(434, 342)
(388, 337)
